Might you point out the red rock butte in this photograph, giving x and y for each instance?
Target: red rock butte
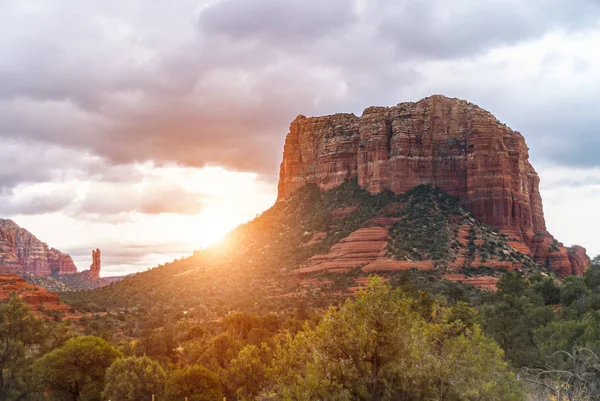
(449, 143)
(21, 251)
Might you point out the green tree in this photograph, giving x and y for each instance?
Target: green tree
(247, 373)
(21, 335)
(133, 379)
(215, 353)
(152, 343)
(512, 315)
(385, 346)
(470, 367)
(572, 290)
(592, 275)
(240, 324)
(76, 370)
(294, 374)
(196, 383)
(548, 290)
(512, 283)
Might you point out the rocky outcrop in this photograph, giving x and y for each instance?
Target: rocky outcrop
(481, 282)
(448, 143)
(579, 259)
(95, 267)
(360, 248)
(21, 251)
(365, 248)
(88, 279)
(320, 150)
(52, 284)
(38, 298)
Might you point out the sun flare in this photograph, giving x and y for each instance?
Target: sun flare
(230, 199)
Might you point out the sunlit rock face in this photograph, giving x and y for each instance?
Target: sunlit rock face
(449, 143)
(94, 272)
(21, 251)
(36, 297)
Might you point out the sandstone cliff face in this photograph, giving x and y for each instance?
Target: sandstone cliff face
(21, 251)
(579, 259)
(449, 143)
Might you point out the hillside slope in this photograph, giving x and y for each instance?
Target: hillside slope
(438, 186)
(317, 247)
(36, 297)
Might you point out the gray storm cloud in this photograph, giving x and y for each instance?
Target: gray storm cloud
(217, 83)
(34, 204)
(442, 29)
(278, 22)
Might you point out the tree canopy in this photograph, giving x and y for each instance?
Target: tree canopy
(76, 370)
(194, 382)
(386, 346)
(134, 378)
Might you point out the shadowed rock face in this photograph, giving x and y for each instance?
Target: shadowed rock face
(448, 143)
(21, 251)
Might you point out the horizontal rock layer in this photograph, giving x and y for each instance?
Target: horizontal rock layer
(449, 143)
(36, 297)
(21, 251)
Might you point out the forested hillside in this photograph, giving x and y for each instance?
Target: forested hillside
(252, 318)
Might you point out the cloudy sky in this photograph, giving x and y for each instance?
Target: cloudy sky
(149, 129)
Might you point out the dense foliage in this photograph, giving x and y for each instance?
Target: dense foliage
(407, 343)
(20, 334)
(75, 371)
(194, 382)
(551, 330)
(383, 345)
(233, 321)
(134, 378)
(386, 346)
(429, 228)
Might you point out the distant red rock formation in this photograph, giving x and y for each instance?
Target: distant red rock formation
(94, 272)
(21, 251)
(449, 143)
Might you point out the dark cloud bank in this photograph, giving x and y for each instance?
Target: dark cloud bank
(217, 83)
